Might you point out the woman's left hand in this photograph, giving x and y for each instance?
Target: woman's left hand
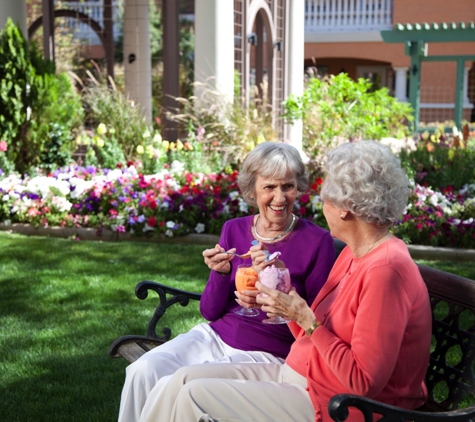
(247, 298)
(290, 306)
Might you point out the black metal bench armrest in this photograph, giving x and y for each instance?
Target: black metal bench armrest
(339, 404)
(168, 296)
(177, 296)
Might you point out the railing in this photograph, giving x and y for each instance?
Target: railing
(348, 15)
(95, 10)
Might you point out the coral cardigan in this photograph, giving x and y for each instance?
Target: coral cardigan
(374, 340)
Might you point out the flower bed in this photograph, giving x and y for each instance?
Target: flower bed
(175, 202)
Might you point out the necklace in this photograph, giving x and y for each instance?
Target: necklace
(271, 239)
(374, 243)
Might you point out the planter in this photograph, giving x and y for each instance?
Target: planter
(207, 240)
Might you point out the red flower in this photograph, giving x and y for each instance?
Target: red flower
(119, 165)
(161, 224)
(304, 198)
(152, 221)
(448, 189)
(317, 183)
(113, 212)
(303, 211)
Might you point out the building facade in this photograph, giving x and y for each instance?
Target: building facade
(345, 36)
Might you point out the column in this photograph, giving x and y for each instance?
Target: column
(214, 46)
(294, 65)
(171, 67)
(16, 10)
(466, 100)
(137, 55)
(400, 91)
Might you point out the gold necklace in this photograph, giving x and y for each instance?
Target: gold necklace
(374, 243)
(271, 239)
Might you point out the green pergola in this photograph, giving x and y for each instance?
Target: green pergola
(415, 37)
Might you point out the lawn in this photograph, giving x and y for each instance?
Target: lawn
(63, 303)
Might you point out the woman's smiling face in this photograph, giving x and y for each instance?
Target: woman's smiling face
(276, 197)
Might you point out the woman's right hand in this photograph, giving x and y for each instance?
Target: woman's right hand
(217, 259)
(259, 255)
(291, 306)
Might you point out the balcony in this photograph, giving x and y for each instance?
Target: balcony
(95, 10)
(325, 20)
(347, 20)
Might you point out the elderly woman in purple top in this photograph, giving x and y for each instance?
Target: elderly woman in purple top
(271, 178)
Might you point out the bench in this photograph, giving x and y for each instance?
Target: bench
(450, 379)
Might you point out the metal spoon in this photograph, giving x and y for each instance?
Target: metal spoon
(269, 257)
(243, 256)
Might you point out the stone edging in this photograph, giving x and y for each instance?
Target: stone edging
(416, 251)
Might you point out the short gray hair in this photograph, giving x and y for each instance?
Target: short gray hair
(367, 179)
(271, 160)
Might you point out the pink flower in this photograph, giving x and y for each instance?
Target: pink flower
(3, 146)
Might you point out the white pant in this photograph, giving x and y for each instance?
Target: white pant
(258, 392)
(147, 376)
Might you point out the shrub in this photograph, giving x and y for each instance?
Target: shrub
(337, 108)
(442, 159)
(225, 131)
(40, 112)
(106, 104)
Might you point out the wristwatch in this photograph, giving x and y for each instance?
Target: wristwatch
(312, 328)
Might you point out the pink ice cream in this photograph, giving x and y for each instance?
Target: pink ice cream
(275, 278)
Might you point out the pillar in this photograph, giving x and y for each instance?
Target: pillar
(171, 67)
(137, 55)
(294, 63)
(16, 10)
(400, 91)
(466, 100)
(214, 47)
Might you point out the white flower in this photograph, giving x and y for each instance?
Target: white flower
(7, 222)
(243, 206)
(6, 197)
(200, 228)
(180, 208)
(170, 224)
(147, 228)
(62, 204)
(114, 174)
(47, 186)
(315, 201)
(233, 195)
(80, 187)
(169, 233)
(177, 167)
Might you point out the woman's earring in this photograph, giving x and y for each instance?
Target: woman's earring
(342, 216)
(253, 198)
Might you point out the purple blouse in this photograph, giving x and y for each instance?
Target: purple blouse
(309, 255)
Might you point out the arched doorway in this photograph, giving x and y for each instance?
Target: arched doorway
(259, 56)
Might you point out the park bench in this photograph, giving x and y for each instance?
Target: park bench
(452, 361)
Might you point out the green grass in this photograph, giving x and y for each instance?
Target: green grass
(64, 302)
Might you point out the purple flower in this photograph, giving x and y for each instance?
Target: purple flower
(141, 218)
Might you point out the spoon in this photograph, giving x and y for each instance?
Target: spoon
(243, 256)
(269, 256)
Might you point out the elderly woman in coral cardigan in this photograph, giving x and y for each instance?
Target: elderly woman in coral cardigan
(368, 331)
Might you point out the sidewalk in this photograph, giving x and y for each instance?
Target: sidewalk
(416, 251)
